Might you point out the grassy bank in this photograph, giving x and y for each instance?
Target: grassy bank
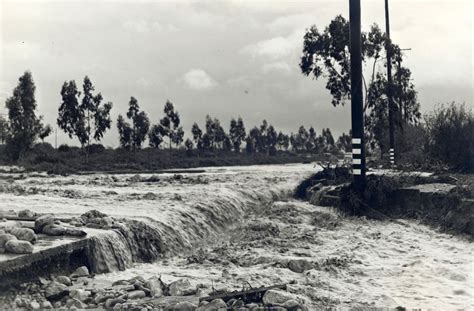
(45, 158)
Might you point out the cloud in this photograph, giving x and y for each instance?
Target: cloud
(291, 22)
(275, 48)
(158, 27)
(139, 26)
(142, 26)
(23, 50)
(281, 67)
(198, 79)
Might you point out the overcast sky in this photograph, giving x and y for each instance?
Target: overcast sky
(224, 58)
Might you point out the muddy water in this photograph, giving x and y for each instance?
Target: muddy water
(354, 262)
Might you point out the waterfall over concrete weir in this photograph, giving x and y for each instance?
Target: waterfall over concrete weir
(147, 240)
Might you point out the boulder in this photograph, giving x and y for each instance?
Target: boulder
(139, 286)
(102, 297)
(34, 305)
(43, 282)
(55, 291)
(20, 302)
(81, 271)
(121, 282)
(64, 280)
(293, 305)
(79, 294)
(75, 303)
(183, 306)
(277, 297)
(53, 229)
(299, 265)
(9, 225)
(19, 247)
(25, 234)
(75, 232)
(4, 238)
(235, 303)
(252, 306)
(42, 221)
(136, 294)
(124, 288)
(46, 305)
(181, 287)
(215, 305)
(26, 213)
(111, 302)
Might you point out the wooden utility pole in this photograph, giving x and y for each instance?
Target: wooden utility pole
(357, 112)
(400, 90)
(391, 111)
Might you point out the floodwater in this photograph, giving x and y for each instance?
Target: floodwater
(240, 228)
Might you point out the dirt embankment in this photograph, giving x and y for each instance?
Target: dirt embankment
(444, 201)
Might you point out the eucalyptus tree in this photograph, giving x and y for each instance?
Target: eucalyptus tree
(271, 140)
(189, 145)
(87, 119)
(132, 135)
(283, 141)
(24, 125)
(3, 129)
(326, 55)
(237, 133)
(155, 136)
(215, 133)
(170, 125)
(197, 136)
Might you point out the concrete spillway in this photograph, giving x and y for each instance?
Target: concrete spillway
(50, 254)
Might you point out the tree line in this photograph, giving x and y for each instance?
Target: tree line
(84, 115)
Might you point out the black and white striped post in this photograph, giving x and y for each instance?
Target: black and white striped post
(391, 152)
(357, 112)
(391, 110)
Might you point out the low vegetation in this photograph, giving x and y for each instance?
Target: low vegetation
(67, 159)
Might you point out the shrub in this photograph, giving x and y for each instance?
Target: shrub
(43, 148)
(63, 148)
(95, 148)
(451, 135)
(371, 198)
(411, 146)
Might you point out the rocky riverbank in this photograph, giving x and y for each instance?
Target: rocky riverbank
(73, 292)
(237, 229)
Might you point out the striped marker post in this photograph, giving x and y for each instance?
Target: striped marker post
(392, 156)
(357, 111)
(356, 156)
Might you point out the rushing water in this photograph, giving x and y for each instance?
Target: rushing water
(361, 262)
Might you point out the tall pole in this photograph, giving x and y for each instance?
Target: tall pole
(357, 112)
(389, 86)
(400, 90)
